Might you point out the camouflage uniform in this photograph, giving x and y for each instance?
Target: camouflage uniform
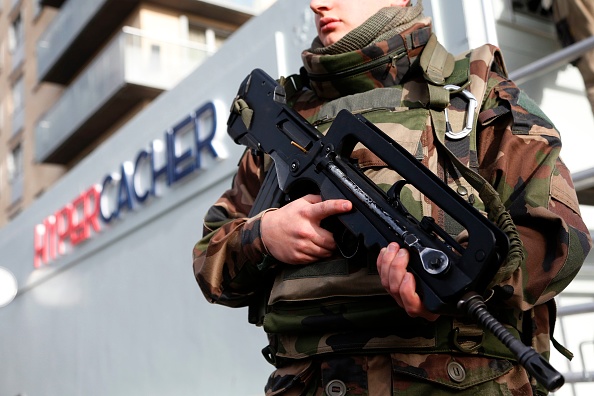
(574, 20)
(332, 327)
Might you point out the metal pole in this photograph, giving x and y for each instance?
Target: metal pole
(552, 62)
(575, 309)
(575, 378)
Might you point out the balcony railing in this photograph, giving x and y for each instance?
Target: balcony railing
(133, 67)
(151, 61)
(78, 30)
(63, 30)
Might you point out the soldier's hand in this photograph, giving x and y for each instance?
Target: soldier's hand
(292, 234)
(399, 283)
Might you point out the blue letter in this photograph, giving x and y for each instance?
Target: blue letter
(207, 142)
(142, 156)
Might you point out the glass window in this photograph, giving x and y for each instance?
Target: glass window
(211, 38)
(15, 164)
(18, 106)
(16, 34)
(2, 112)
(18, 93)
(197, 34)
(536, 8)
(155, 57)
(37, 7)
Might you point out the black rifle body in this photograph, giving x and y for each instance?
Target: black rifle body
(302, 156)
(451, 279)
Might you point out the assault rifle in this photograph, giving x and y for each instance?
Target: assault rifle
(451, 278)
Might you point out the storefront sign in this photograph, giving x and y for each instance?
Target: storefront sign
(163, 164)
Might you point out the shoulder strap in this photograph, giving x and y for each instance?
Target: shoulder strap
(433, 62)
(294, 83)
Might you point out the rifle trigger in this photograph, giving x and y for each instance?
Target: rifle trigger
(394, 193)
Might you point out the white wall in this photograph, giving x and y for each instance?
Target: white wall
(121, 313)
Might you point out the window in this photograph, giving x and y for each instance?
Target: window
(16, 42)
(210, 38)
(15, 164)
(197, 34)
(532, 17)
(17, 94)
(15, 34)
(2, 112)
(2, 54)
(540, 9)
(18, 106)
(155, 57)
(15, 173)
(37, 7)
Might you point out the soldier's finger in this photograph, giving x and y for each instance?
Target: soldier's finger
(312, 198)
(330, 207)
(384, 262)
(324, 240)
(398, 271)
(392, 268)
(411, 301)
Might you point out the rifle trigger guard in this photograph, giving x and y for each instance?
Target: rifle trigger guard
(394, 192)
(470, 108)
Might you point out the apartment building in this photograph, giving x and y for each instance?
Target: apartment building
(73, 71)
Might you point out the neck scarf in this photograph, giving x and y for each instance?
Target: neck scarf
(370, 56)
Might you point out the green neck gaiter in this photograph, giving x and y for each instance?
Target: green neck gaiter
(373, 55)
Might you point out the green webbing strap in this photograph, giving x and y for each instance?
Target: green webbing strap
(439, 66)
(292, 84)
(439, 99)
(461, 74)
(241, 107)
(496, 211)
(437, 63)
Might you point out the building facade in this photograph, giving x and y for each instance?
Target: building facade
(106, 302)
(73, 72)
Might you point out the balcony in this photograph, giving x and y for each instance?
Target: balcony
(133, 68)
(78, 31)
(83, 26)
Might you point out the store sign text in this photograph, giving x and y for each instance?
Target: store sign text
(163, 164)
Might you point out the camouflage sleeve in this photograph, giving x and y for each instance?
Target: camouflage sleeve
(519, 152)
(225, 259)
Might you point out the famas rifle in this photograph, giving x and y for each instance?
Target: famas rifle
(451, 278)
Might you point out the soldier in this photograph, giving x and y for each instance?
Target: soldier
(574, 20)
(356, 326)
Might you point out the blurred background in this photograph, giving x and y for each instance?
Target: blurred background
(113, 145)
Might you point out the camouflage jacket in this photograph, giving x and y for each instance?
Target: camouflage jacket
(339, 305)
